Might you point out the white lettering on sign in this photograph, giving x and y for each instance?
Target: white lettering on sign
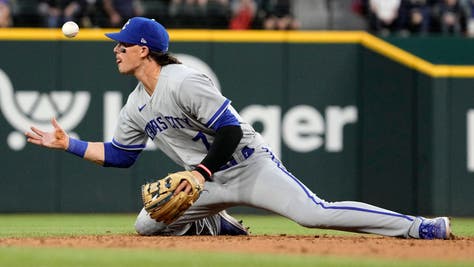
(303, 128)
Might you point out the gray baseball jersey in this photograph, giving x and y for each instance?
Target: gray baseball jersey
(179, 116)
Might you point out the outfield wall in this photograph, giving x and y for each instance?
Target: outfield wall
(352, 116)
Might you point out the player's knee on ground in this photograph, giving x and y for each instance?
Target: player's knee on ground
(144, 225)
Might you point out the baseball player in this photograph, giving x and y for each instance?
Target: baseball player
(188, 118)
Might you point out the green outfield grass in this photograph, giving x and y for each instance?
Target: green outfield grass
(48, 257)
(61, 257)
(22, 225)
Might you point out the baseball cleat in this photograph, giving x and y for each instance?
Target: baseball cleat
(436, 228)
(230, 226)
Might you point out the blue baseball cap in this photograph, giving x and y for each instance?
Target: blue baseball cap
(143, 31)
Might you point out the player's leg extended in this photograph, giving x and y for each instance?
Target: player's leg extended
(262, 182)
(274, 188)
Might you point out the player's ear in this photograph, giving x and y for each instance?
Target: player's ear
(145, 51)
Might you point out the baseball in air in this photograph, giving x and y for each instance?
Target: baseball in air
(70, 29)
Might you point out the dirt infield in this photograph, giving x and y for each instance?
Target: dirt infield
(363, 246)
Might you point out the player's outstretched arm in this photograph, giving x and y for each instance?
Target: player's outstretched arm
(59, 139)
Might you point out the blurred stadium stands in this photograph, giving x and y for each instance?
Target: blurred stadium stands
(411, 16)
(313, 14)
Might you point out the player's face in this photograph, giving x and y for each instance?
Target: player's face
(127, 57)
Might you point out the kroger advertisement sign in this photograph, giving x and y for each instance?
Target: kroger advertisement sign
(302, 128)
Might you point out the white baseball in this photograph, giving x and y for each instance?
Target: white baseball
(70, 29)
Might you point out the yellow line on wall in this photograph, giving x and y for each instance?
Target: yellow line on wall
(399, 55)
(365, 39)
(265, 36)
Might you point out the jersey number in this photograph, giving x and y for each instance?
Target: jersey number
(203, 138)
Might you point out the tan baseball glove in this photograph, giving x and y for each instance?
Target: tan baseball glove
(161, 204)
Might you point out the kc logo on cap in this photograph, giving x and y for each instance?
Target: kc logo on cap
(143, 31)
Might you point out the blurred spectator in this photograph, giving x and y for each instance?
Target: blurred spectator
(450, 17)
(199, 13)
(119, 11)
(278, 15)
(90, 15)
(360, 7)
(418, 16)
(218, 13)
(384, 16)
(55, 12)
(5, 14)
(187, 13)
(243, 14)
(469, 4)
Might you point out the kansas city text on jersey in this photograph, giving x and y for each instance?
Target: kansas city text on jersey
(162, 123)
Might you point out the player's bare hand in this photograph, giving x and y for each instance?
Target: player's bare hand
(184, 186)
(57, 138)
